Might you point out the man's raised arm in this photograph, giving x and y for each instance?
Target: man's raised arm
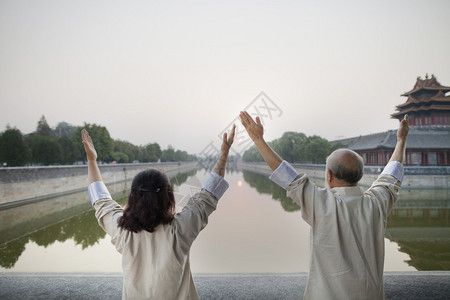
(256, 131)
(400, 147)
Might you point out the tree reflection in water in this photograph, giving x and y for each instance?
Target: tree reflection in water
(419, 222)
(82, 228)
(266, 186)
(424, 234)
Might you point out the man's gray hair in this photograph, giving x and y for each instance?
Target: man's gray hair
(346, 165)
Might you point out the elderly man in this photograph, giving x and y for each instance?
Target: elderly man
(347, 224)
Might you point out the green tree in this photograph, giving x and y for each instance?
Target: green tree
(336, 146)
(64, 129)
(127, 148)
(46, 151)
(252, 154)
(317, 149)
(296, 147)
(43, 128)
(69, 151)
(168, 154)
(289, 146)
(103, 142)
(13, 149)
(141, 155)
(181, 155)
(120, 157)
(153, 152)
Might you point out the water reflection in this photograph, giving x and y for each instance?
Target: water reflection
(266, 186)
(419, 222)
(80, 228)
(75, 220)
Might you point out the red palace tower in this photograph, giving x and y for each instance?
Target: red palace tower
(428, 108)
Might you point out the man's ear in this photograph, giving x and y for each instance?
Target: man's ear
(330, 176)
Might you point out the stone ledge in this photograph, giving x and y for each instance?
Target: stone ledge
(317, 172)
(27, 185)
(398, 285)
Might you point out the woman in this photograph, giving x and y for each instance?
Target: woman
(153, 240)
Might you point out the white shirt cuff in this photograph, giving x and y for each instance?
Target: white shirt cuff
(97, 190)
(216, 185)
(284, 175)
(395, 169)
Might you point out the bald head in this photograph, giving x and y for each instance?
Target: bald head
(346, 165)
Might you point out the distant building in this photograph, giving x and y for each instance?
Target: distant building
(427, 105)
(428, 144)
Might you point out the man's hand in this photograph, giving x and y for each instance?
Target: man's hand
(399, 153)
(254, 129)
(403, 129)
(91, 153)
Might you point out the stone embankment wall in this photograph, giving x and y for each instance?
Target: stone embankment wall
(415, 177)
(24, 185)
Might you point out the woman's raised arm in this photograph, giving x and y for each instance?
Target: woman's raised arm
(91, 154)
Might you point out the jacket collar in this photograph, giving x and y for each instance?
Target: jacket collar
(348, 190)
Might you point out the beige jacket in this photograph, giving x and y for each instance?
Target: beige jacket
(347, 233)
(156, 265)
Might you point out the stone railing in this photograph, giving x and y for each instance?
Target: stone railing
(436, 177)
(31, 183)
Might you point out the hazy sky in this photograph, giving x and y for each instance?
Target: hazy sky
(178, 72)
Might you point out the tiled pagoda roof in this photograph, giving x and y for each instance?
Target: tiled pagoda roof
(427, 84)
(440, 97)
(421, 108)
(417, 139)
(415, 104)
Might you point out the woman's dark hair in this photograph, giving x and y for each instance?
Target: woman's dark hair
(151, 202)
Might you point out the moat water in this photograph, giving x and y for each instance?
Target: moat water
(255, 229)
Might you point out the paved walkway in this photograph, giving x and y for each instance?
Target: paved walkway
(398, 285)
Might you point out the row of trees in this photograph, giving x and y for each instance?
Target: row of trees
(296, 147)
(62, 145)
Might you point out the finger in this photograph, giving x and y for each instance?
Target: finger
(244, 119)
(248, 119)
(404, 121)
(233, 132)
(246, 116)
(258, 122)
(84, 135)
(253, 123)
(86, 146)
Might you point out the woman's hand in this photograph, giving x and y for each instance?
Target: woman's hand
(91, 153)
(227, 141)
